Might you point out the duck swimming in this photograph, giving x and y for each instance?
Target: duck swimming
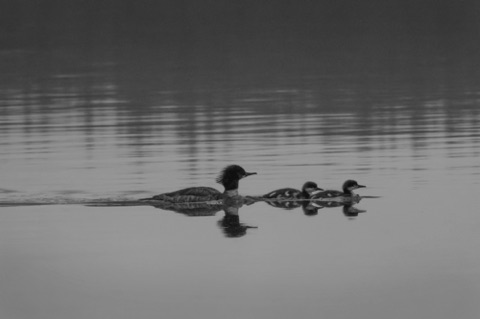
(292, 193)
(333, 195)
(228, 177)
(287, 198)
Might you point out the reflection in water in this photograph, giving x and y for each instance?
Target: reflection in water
(190, 209)
(65, 117)
(152, 98)
(291, 204)
(92, 97)
(351, 212)
(348, 208)
(230, 223)
(311, 207)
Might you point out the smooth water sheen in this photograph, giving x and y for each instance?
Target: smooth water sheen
(101, 126)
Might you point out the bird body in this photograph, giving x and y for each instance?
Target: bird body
(291, 193)
(340, 196)
(228, 177)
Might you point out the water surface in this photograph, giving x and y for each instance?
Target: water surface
(117, 125)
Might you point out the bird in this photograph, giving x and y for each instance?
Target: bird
(228, 177)
(286, 198)
(345, 195)
(291, 193)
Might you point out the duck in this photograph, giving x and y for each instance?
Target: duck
(291, 193)
(229, 177)
(340, 196)
(286, 198)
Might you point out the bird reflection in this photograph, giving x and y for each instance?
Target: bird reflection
(230, 223)
(306, 206)
(348, 208)
(191, 209)
(351, 211)
(311, 207)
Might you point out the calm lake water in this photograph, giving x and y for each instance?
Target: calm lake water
(114, 125)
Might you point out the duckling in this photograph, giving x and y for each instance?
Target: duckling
(291, 193)
(333, 195)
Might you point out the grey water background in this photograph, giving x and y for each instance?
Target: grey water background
(117, 102)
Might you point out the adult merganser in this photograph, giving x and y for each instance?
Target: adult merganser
(228, 177)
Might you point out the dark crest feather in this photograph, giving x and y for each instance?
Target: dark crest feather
(224, 171)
